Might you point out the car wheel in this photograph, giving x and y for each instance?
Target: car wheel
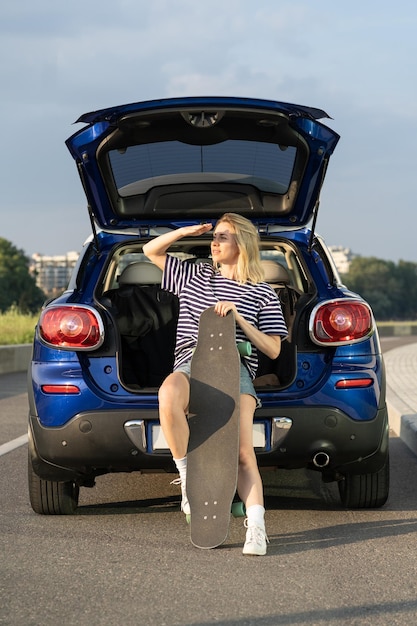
(48, 497)
(365, 491)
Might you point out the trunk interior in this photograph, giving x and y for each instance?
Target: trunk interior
(145, 315)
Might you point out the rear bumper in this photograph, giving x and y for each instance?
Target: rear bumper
(326, 439)
(99, 442)
(94, 443)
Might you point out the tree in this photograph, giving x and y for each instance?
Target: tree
(17, 286)
(390, 289)
(407, 280)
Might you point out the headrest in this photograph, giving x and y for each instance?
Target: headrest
(200, 260)
(275, 273)
(141, 273)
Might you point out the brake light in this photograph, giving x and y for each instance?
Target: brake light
(340, 321)
(71, 327)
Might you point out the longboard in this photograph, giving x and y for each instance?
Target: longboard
(213, 450)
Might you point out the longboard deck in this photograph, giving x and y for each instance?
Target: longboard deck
(213, 450)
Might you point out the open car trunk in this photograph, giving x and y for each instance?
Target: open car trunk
(145, 316)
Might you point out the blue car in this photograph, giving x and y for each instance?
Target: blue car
(102, 349)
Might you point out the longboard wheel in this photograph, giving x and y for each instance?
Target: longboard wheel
(238, 509)
(244, 348)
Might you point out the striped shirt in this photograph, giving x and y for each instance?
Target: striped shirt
(199, 286)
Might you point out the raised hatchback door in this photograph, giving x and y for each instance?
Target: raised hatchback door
(188, 159)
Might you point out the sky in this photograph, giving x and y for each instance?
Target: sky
(356, 60)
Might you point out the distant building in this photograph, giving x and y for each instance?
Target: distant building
(342, 258)
(52, 273)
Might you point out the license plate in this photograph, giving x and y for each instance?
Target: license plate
(159, 441)
(259, 439)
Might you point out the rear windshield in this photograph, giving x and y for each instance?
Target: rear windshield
(267, 165)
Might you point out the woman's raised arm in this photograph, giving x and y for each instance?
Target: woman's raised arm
(156, 249)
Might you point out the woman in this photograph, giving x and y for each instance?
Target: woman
(233, 283)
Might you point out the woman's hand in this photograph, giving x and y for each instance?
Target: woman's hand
(222, 308)
(268, 344)
(196, 230)
(156, 248)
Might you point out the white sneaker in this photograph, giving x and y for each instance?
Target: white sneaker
(256, 540)
(185, 505)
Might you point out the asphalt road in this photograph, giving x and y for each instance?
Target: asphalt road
(125, 557)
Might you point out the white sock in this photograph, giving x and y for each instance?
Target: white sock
(181, 465)
(255, 515)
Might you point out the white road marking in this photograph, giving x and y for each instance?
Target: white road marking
(12, 445)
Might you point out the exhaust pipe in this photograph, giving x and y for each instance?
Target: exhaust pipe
(321, 459)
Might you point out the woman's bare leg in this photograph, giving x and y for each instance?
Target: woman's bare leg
(249, 484)
(250, 487)
(174, 397)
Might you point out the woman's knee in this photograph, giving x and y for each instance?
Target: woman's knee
(174, 391)
(247, 457)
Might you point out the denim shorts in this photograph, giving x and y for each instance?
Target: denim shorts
(246, 384)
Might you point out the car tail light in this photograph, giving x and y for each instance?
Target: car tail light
(336, 322)
(71, 327)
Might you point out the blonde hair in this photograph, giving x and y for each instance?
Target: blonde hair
(249, 269)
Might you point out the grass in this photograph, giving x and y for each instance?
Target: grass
(16, 327)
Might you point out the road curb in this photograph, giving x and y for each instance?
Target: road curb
(401, 368)
(402, 420)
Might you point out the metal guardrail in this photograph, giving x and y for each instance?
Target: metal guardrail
(15, 358)
(397, 329)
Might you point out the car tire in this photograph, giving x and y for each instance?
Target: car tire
(365, 491)
(48, 497)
